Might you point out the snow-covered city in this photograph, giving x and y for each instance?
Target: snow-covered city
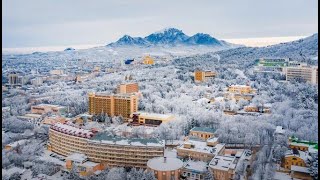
(166, 105)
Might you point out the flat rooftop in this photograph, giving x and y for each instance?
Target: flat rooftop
(223, 163)
(107, 138)
(300, 169)
(203, 129)
(49, 105)
(198, 166)
(162, 164)
(155, 115)
(201, 146)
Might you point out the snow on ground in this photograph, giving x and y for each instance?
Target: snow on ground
(46, 157)
(283, 176)
(11, 171)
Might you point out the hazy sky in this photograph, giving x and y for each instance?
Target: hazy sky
(27, 23)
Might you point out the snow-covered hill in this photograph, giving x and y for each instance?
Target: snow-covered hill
(301, 49)
(170, 37)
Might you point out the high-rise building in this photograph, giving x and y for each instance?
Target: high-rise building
(303, 72)
(114, 105)
(128, 88)
(13, 79)
(201, 76)
(16, 79)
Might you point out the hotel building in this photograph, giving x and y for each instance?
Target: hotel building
(202, 76)
(114, 105)
(109, 150)
(304, 72)
(128, 88)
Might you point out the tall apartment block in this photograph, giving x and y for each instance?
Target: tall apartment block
(304, 72)
(201, 76)
(114, 105)
(16, 79)
(128, 88)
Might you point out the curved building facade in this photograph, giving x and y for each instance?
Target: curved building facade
(165, 168)
(104, 148)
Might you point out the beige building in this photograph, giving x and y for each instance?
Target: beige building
(151, 119)
(201, 76)
(32, 118)
(84, 167)
(200, 150)
(114, 105)
(194, 170)
(238, 92)
(304, 72)
(103, 148)
(223, 167)
(241, 89)
(56, 72)
(202, 132)
(128, 88)
(165, 168)
(46, 108)
(299, 172)
(148, 60)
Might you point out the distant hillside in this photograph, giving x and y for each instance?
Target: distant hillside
(304, 50)
(301, 49)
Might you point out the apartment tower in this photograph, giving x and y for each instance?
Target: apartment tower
(114, 105)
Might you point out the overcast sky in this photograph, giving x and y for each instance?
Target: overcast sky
(27, 23)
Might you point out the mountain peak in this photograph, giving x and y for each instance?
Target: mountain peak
(170, 36)
(167, 30)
